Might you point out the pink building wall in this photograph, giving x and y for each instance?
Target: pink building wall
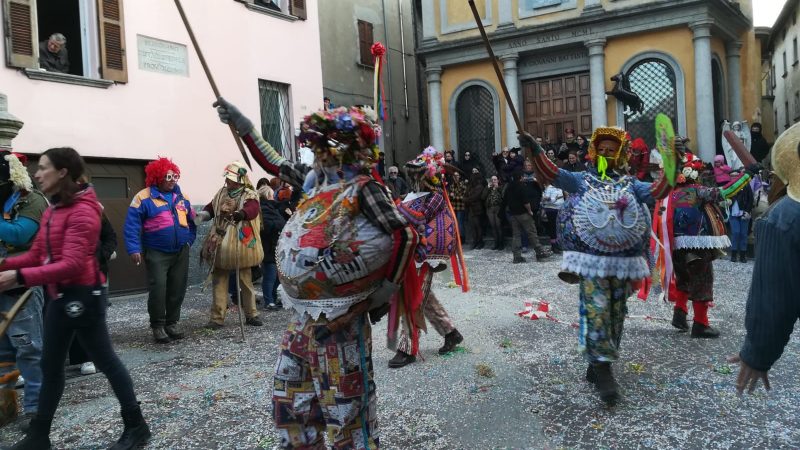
(159, 114)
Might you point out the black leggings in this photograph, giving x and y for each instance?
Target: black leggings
(95, 339)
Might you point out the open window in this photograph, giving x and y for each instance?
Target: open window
(295, 8)
(94, 32)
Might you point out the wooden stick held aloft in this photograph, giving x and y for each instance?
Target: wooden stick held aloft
(210, 78)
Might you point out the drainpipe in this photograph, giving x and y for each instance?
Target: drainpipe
(389, 79)
(403, 52)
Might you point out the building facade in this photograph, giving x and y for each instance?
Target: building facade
(697, 61)
(349, 29)
(782, 72)
(135, 89)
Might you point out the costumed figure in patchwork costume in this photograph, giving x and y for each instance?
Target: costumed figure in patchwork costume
(341, 257)
(602, 229)
(21, 344)
(691, 235)
(428, 208)
(234, 243)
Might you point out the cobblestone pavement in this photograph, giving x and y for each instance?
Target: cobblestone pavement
(514, 383)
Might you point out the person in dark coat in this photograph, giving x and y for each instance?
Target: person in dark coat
(474, 202)
(773, 305)
(468, 162)
(739, 221)
(759, 147)
(574, 164)
(53, 55)
(272, 221)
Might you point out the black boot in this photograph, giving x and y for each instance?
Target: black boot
(37, 437)
(401, 360)
(733, 256)
(591, 376)
(679, 320)
(703, 331)
(451, 339)
(136, 432)
(605, 384)
(743, 257)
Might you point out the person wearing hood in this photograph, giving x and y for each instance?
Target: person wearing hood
(759, 147)
(62, 258)
(722, 171)
(21, 345)
(773, 303)
(474, 204)
(159, 231)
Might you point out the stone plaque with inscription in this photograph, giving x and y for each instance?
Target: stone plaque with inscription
(554, 62)
(156, 55)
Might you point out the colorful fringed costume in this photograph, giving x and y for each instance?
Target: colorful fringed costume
(429, 209)
(345, 245)
(602, 229)
(691, 235)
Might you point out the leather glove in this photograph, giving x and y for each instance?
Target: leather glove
(230, 114)
(754, 169)
(527, 141)
(238, 216)
(383, 294)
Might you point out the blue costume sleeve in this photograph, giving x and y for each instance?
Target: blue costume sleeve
(19, 231)
(133, 228)
(642, 191)
(568, 181)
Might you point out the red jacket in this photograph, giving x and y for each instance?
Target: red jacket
(73, 232)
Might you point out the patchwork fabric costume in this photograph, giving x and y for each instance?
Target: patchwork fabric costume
(691, 235)
(602, 228)
(429, 209)
(346, 244)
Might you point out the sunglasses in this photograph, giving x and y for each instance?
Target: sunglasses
(172, 177)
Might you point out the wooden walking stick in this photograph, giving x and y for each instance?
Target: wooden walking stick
(210, 78)
(497, 71)
(238, 286)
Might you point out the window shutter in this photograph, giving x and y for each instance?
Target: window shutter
(365, 42)
(22, 48)
(112, 40)
(297, 8)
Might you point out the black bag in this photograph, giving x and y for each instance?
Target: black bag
(81, 306)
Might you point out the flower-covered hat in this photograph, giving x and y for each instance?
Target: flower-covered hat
(428, 168)
(615, 134)
(350, 135)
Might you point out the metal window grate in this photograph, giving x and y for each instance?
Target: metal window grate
(654, 81)
(475, 122)
(276, 117)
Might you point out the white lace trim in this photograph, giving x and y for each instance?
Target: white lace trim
(701, 242)
(623, 267)
(331, 307)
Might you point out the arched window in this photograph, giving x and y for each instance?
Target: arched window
(475, 116)
(654, 81)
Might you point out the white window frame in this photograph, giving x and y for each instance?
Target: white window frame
(526, 12)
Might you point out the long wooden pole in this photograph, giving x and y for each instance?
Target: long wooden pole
(210, 77)
(496, 66)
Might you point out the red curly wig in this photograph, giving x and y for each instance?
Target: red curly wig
(156, 170)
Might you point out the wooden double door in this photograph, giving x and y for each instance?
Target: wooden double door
(555, 104)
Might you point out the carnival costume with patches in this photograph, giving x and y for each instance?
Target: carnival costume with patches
(691, 235)
(602, 229)
(428, 208)
(344, 251)
(21, 345)
(234, 242)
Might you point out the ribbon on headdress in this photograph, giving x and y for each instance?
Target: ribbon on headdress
(378, 50)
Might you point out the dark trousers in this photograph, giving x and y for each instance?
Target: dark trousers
(475, 226)
(94, 338)
(523, 225)
(167, 276)
(552, 218)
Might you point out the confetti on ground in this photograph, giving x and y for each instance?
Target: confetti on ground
(484, 370)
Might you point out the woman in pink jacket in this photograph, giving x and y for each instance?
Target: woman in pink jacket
(722, 171)
(63, 260)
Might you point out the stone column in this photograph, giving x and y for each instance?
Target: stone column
(428, 20)
(9, 125)
(704, 90)
(512, 83)
(734, 50)
(597, 81)
(505, 18)
(436, 127)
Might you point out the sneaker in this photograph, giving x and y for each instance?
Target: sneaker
(518, 259)
(20, 382)
(272, 306)
(525, 250)
(401, 360)
(172, 331)
(211, 325)
(88, 368)
(161, 336)
(254, 322)
(703, 331)
(543, 253)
